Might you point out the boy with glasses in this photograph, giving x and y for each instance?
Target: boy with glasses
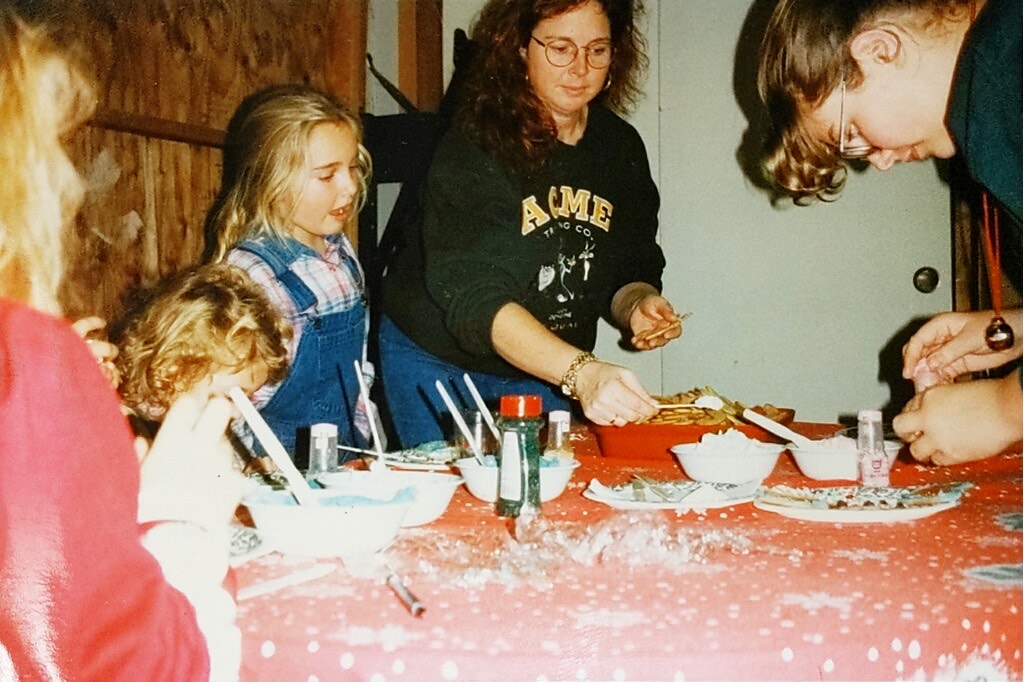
(891, 81)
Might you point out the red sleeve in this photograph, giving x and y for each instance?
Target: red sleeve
(80, 597)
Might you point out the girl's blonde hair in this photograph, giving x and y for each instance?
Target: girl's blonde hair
(209, 319)
(43, 95)
(805, 54)
(265, 149)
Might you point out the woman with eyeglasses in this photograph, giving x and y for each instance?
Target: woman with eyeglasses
(540, 217)
(891, 81)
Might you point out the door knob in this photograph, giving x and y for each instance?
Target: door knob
(926, 279)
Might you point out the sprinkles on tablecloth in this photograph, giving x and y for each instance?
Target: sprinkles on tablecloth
(541, 549)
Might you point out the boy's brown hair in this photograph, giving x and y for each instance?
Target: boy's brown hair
(804, 57)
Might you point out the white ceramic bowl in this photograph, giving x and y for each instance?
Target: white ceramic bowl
(344, 524)
(751, 463)
(482, 481)
(830, 460)
(433, 490)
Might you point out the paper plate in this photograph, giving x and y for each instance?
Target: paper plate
(432, 456)
(683, 495)
(860, 504)
(407, 465)
(855, 515)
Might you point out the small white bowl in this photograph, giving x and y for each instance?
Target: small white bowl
(735, 461)
(834, 459)
(433, 490)
(482, 481)
(344, 524)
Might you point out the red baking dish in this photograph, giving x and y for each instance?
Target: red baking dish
(652, 441)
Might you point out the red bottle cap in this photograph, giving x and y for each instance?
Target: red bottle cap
(520, 406)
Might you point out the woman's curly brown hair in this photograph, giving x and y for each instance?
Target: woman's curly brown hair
(804, 56)
(498, 109)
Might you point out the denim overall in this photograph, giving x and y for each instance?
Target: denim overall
(321, 386)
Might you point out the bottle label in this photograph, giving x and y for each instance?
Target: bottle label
(510, 484)
(323, 455)
(874, 469)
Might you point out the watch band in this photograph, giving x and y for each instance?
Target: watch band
(568, 382)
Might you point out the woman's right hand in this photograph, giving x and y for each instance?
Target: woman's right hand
(189, 473)
(612, 395)
(953, 344)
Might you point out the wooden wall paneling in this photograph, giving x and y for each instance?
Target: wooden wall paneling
(150, 237)
(103, 251)
(419, 52)
(192, 203)
(170, 74)
(159, 128)
(168, 211)
(971, 290)
(344, 63)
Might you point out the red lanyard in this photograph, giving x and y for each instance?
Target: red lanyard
(998, 334)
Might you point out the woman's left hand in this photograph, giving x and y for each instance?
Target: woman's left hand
(953, 344)
(654, 323)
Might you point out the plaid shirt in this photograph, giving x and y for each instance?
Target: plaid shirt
(335, 277)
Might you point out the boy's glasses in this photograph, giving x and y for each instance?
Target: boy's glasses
(562, 52)
(847, 148)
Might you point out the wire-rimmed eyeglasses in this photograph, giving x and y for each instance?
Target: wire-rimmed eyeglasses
(562, 52)
(847, 150)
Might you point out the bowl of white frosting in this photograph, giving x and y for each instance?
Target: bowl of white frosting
(835, 458)
(729, 457)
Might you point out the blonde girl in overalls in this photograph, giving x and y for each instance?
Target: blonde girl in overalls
(295, 177)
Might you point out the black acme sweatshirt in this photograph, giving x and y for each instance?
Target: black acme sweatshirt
(559, 242)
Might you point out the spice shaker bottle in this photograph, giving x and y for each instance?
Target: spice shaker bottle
(871, 457)
(558, 434)
(519, 425)
(323, 449)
